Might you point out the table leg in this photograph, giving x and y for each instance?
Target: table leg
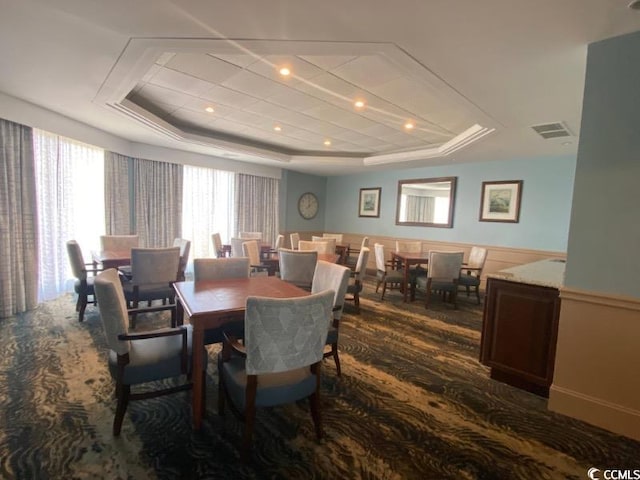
(198, 377)
(405, 286)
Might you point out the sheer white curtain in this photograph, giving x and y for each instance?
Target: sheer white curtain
(70, 198)
(207, 208)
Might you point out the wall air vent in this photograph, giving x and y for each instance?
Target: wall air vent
(552, 130)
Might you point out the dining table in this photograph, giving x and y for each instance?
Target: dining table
(111, 258)
(405, 260)
(211, 306)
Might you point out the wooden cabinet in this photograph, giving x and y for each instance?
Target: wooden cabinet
(519, 334)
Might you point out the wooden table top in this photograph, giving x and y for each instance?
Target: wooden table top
(217, 298)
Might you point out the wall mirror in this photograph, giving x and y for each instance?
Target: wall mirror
(426, 202)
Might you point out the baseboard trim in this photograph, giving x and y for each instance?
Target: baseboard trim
(615, 418)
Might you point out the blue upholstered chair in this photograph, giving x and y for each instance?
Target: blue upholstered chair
(280, 360)
(472, 270)
(84, 277)
(138, 358)
(360, 270)
(297, 266)
(221, 268)
(385, 273)
(185, 248)
(331, 276)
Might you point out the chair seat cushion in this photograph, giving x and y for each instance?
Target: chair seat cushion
(469, 280)
(78, 289)
(301, 383)
(152, 358)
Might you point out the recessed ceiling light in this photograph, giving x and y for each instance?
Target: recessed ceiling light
(327, 142)
(409, 125)
(284, 71)
(209, 109)
(277, 128)
(359, 103)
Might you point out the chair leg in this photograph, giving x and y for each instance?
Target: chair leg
(249, 414)
(122, 392)
(478, 293)
(427, 292)
(336, 358)
(356, 301)
(384, 289)
(82, 300)
(314, 402)
(467, 287)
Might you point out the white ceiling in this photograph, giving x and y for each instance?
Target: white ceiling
(473, 77)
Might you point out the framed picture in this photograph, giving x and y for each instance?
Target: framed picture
(500, 201)
(369, 202)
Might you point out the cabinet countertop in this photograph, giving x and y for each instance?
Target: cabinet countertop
(545, 273)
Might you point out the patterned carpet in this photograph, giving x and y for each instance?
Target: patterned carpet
(413, 402)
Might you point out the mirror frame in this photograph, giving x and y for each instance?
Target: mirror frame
(452, 197)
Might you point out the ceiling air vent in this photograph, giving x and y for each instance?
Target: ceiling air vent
(552, 130)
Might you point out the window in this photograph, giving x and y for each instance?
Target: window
(70, 198)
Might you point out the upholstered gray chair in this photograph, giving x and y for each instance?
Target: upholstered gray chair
(236, 247)
(442, 276)
(353, 254)
(331, 276)
(472, 270)
(280, 360)
(295, 238)
(143, 357)
(385, 274)
(118, 243)
(84, 277)
(216, 241)
(409, 246)
(251, 249)
(185, 248)
(221, 268)
(360, 270)
(320, 246)
(297, 266)
(153, 271)
(338, 236)
(250, 235)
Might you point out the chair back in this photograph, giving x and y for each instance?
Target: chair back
(331, 276)
(220, 268)
(378, 250)
(282, 334)
(328, 246)
(444, 266)
(76, 259)
(236, 247)
(216, 240)
(477, 257)
(185, 248)
(337, 236)
(408, 247)
(361, 264)
(154, 265)
(365, 243)
(295, 238)
(297, 266)
(279, 242)
(250, 249)
(250, 235)
(113, 309)
(119, 243)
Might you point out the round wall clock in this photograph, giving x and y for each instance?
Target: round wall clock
(308, 205)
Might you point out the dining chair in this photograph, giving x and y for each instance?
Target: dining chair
(279, 243)
(236, 246)
(216, 241)
(139, 358)
(220, 268)
(294, 238)
(84, 277)
(322, 246)
(472, 270)
(185, 248)
(250, 235)
(331, 276)
(410, 246)
(153, 271)
(354, 288)
(119, 243)
(442, 276)
(280, 360)
(338, 236)
(297, 266)
(251, 249)
(353, 254)
(386, 274)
